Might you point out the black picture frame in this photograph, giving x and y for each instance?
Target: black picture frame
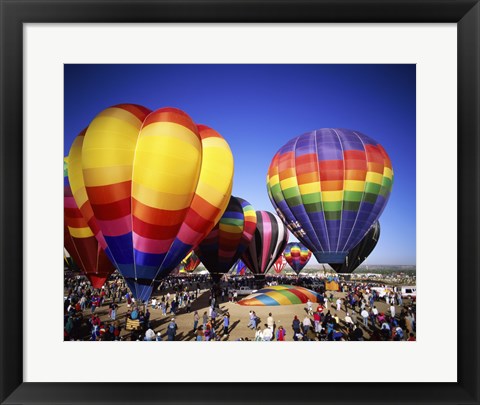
(14, 13)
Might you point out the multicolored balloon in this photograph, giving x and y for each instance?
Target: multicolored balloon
(239, 269)
(267, 244)
(80, 241)
(190, 262)
(157, 184)
(281, 295)
(360, 252)
(227, 241)
(329, 186)
(297, 256)
(279, 264)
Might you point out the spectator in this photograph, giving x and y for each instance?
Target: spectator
(172, 330)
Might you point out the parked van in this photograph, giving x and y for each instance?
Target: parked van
(409, 292)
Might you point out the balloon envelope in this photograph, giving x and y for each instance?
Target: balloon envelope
(81, 243)
(281, 295)
(157, 184)
(360, 252)
(224, 245)
(329, 186)
(297, 256)
(279, 264)
(267, 244)
(190, 262)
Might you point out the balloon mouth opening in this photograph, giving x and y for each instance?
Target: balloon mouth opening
(97, 280)
(331, 257)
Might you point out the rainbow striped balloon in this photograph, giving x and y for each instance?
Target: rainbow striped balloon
(227, 241)
(157, 184)
(280, 295)
(267, 244)
(80, 241)
(297, 256)
(329, 186)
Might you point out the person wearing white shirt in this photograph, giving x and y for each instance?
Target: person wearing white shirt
(259, 335)
(348, 319)
(150, 335)
(309, 307)
(270, 321)
(392, 310)
(339, 304)
(307, 323)
(364, 314)
(267, 334)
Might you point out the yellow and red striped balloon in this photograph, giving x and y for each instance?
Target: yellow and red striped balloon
(80, 240)
(157, 184)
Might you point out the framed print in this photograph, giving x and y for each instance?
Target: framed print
(236, 89)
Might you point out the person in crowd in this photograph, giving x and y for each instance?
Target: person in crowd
(172, 330)
(307, 324)
(259, 334)
(267, 333)
(271, 322)
(280, 334)
(316, 321)
(200, 334)
(226, 323)
(296, 325)
(196, 318)
(205, 320)
(339, 304)
(149, 335)
(309, 307)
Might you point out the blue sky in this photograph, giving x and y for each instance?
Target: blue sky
(258, 108)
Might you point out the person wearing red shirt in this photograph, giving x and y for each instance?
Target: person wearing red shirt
(316, 321)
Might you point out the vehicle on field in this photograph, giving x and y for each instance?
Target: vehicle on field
(244, 290)
(409, 292)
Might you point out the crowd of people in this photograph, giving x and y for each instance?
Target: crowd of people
(361, 319)
(351, 315)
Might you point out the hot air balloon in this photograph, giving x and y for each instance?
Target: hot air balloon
(224, 245)
(297, 256)
(329, 186)
(281, 295)
(360, 252)
(81, 242)
(241, 268)
(67, 238)
(279, 264)
(190, 262)
(267, 244)
(157, 184)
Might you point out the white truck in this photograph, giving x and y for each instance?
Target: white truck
(244, 290)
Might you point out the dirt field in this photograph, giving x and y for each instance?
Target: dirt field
(239, 318)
